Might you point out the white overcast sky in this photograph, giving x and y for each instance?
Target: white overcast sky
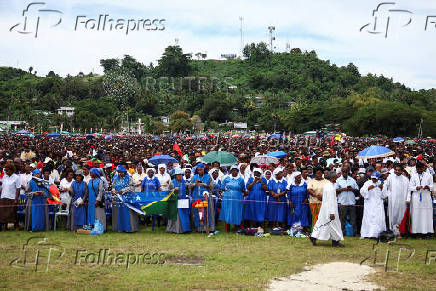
(331, 27)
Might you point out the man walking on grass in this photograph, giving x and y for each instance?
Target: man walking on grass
(328, 225)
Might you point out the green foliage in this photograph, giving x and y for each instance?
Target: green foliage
(293, 91)
(174, 63)
(257, 52)
(158, 127)
(180, 121)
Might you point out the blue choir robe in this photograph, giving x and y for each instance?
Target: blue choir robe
(255, 203)
(150, 185)
(182, 224)
(37, 218)
(301, 212)
(123, 218)
(277, 207)
(232, 203)
(96, 193)
(197, 194)
(77, 215)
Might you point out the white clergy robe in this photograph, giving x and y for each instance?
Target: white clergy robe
(421, 204)
(373, 222)
(396, 188)
(325, 229)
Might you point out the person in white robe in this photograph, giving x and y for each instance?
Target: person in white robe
(138, 177)
(328, 225)
(420, 201)
(396, 189)
(164, 177)
(373, 222)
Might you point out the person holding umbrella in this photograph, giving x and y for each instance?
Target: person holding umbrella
(163, 177)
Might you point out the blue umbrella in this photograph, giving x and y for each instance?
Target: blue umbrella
(54, 134)
(23, 132)
(277, 154)
(375, 151)
(156, 138)
(162, 159)
(398, 139)
(275, 136)
(331, 160)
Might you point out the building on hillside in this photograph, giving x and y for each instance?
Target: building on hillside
(68, 111)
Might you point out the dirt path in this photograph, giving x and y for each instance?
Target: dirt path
(332, 276)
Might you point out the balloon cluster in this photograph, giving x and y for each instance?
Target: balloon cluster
(120, 85)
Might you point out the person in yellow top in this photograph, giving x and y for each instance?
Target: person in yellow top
(27, 155)
(315, 188)
(131, 168)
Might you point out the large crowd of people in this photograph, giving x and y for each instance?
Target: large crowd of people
(319, 184)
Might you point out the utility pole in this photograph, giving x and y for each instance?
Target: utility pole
(240, 29)
(420, 129)
(271, 36)
(128, 124)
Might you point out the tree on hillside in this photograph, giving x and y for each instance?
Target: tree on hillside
(180, 121)
(257, 52)
(174, 63)
(109, 64)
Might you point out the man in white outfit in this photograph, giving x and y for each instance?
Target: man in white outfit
(328, 225)
(420, 201)
(396, 188)
(373, 222)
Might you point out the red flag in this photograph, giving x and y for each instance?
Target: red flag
(176, 148)
(406, 224)
(195, 203)
(54, 195)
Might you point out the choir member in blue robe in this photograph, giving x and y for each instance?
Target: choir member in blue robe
(96, 207)
(151, 182)
(79, 194)
(255, 203)
(182, 224)
(37, 218)
(216, 190)
(277, 202)
(201, 184)
(123, 218)
(233, 195)
(298, 202)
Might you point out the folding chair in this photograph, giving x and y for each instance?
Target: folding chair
(108, 205)
(21, 209)
(61, 212)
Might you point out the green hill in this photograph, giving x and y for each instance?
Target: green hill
(294, 91)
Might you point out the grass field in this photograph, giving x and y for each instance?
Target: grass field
(194, 261)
